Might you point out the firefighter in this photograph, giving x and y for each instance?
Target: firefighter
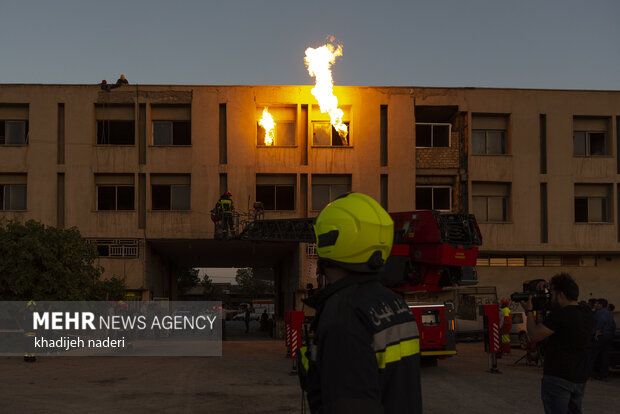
(506, 326)
(365, 354)
(224, 209)
(29, 332)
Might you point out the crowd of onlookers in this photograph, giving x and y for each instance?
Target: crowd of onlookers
(603, 331)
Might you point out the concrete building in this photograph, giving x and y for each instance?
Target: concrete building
(137, 169)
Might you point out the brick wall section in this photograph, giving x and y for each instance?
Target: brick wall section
(439, 157)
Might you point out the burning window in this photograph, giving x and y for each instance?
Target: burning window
(432, 135)
(491, 201)
(276, 192)
(433, 198)
(115, 192)
(327, 188)
(170, 192)
(13, 132)
(489, 134)
(324, 134)
(115, 124)
(281, 123)
(592, 203)
(171, 125)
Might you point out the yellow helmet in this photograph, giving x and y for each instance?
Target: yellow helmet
(31, 303)
(354, 232)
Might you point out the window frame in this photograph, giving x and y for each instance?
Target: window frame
(433, 124)
(486, 141)
(433, 187)
(171, 122)
(275, 196)
(133, 187)
(259, 128)
(331, 197)
(505, 208)
(588, 149)
(334, 134)
(605, 212)
(4, 133)
(3, 201)
(170, 200)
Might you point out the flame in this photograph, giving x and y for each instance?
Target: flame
(319, 62)
(269, 125)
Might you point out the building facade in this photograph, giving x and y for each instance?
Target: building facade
(137, 169)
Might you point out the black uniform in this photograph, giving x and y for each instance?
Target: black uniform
(365, 356)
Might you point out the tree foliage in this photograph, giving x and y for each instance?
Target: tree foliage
(47, 263)
(248, 285)
(212, 291)
(187, 278)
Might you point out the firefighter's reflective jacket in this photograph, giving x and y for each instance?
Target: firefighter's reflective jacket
(365, 356)
(224, 206)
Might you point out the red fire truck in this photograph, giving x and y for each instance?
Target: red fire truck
(431, 251)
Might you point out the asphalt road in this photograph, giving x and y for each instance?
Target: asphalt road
(252, 376)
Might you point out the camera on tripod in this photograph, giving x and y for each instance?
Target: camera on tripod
(539, 292)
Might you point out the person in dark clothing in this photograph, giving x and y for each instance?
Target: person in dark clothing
(365, 355)
(246, 319)
(604, 330)
(568, 327)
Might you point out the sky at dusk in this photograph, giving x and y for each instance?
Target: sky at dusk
(547, 44)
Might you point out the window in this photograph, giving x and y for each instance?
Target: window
(115, 124)
(432, 135)
(489, 134)
(13, 132)
(13, 196)
(324, 134)
(592, 203)
(276, 192)
(170, 192)
(284, 134)
(327, 188)
(489, 142)
(172, 133)
(433, 198)
(285, 119)
(171, 124)
(590, 136)
(491, 201)
(115, 192)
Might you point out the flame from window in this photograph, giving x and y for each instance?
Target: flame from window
(269, 125)
(319, 62)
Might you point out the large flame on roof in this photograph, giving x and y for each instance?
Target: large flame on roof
(319, 62)
(269, 125)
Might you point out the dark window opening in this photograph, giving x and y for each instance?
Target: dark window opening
(323, 194)
(433, 198)
(276, 197)
(115, 197)
(111, 132)
(587, 144)
(13, 132)
(170, 197)
(591, 209)
(172, 133)
(432, 135)
(13, 197)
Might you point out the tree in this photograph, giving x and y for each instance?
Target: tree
(251, 287)
(47, 263)
(187, 278)
(212, 291)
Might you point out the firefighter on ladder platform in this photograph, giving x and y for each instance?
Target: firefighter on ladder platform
(223, 213)
(506, 326)
(365, 355)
